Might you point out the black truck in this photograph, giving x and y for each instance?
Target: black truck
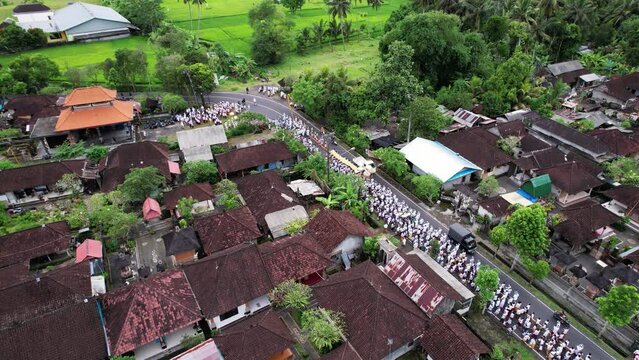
(462, 236)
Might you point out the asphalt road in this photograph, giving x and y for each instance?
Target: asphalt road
(273, 108)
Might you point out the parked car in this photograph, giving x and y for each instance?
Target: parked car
(462, 236)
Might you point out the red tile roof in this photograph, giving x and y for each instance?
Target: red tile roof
(71, 333)
(14, 274)
(477, 145)
(229, 278)
(89, 95)
(375, 309)
(570, 177)
(252, 157)
(581, 221)
(56, 289)
(28, 244)
(619, 143)
(45, 174)
(115, 112)
(448, 338)
(135, 155)
(260, 336)
(199, 192)
(265, 193)
(138, 314)
(330, 227)
(293, 258)
(346, 351)
(227, 229)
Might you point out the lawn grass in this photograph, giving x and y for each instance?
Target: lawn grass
(227, 23)
(553, 305)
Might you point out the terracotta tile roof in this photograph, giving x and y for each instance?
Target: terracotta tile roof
(497, 205)
(375, 309)
(478, 146)
(115, 112)
(619, 143)
(512, 128)
(622, 87)
(259, 336)
(252, 156)
(227, 229)
(564, 133)
(199, 192)
(330, 227)
(29, 105)
(448, 338)
(36, 175)
(346, 351)
(265, 193)
(89, 95)
(71, 333)
(530, 143)
(238, 275)
(25, 245)
(293, 258)
(14, 274)
(134, 155)
(32, 298)
(625, 194)
(570, 177)
(582, 220)
(139, 313)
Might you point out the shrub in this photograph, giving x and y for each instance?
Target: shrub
(10, 133)
(291, 295)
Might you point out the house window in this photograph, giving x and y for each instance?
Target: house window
(229, 314)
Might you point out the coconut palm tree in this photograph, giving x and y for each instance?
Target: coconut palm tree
(472, 12)
(199, 17)
(580, 12)
(332, 31)
(621, 10)
(525, 11)
(319, 31)
(375, 4)
(339, 9)
(548, 7)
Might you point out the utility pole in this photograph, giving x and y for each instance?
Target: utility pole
(188, 75)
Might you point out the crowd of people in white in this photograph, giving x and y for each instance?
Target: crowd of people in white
(194, 115)
(411, 228)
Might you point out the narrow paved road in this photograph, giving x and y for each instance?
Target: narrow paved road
(274, 109)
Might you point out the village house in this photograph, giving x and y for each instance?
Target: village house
(137, 155)
(375, 311)
(448, 338)
(261, 336)
(182, 246)
(479, 146)
(149, 318)
(432, 158)
(267, 156)
(241, 284)
(195, 144)
(624, 202)
(277, 221)
(33, 184)
(584, 222)
(202, 193)
(266, 193)
(227, 229)
(299, 258)
(25, 110)
(620, 92)
(339, 233)
(567, 71)
(76, 22)
(619, 143)
(570, 182)
(36, 246)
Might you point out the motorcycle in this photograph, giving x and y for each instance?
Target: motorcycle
(561, 317)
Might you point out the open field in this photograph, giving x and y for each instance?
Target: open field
(227, 23)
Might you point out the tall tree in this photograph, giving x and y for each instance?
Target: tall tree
(129, 66)
(527, 231)
(188, 3)
(619, 306)
(487, 281)
(33, 71)
(141, 183)
(339, 9)
(199, 18)
(580, 12)
(200, 78)
(422, 118)
(620, 10)
(293, 5)
(147, 15)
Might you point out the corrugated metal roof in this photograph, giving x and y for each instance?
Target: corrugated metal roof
(564, 67)
(420, 291)
(209, 135)
(79, 13)
(436, 159)
(277, 221)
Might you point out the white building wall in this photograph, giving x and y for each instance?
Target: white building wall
(243, 311)
(153, 350)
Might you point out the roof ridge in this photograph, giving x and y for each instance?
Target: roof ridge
(240, 222)
(128, 312)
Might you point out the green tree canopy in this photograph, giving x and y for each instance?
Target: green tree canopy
(623, 169)
(313, 163)
(499, 235)
(427, 187)
(291, 295)
(620, 305)
(324, 328)
(128, 67)
(173, 103)
(393, 162)
(424, 117)
(229, 195)
(538, 269)
(34, 71)
(357, 138)
(293, 5)
(141, 183)
(185, 208)
(487, 186)
(147, 15)
(527, 231)
(371, 247)
(200, 171)
(107, 216)
(487, 281)
(95, 153)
